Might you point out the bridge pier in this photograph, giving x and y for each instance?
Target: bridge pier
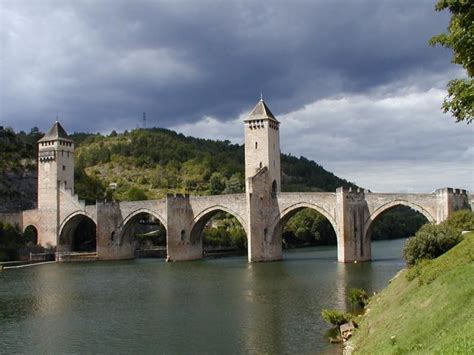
(180, 245)
(112, 244)
(351, 212)
(264, 238)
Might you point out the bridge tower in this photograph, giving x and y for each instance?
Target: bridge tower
(55, 172)
(262, 182)
(55, 165)
(262, 145)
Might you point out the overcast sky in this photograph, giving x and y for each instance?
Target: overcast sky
(354, 83)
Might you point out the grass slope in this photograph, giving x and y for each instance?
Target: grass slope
(432, 313)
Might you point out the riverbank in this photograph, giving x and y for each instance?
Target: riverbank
(426, 309)
(21, 264)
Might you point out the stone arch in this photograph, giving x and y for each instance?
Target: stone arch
(140, 211)
(68, 240)
(388, 206)
(201, 219)
(33, 229)
(131, 218)
(290, 211)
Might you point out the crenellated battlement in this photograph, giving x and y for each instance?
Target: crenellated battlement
(353, 190)
(178, 196)
(450, 190)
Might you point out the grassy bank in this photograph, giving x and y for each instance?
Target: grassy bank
(427, 309)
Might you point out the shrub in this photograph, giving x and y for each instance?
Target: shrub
(357, 297)
(335, 317)
(136, 194)
(461, 220)
(430, 242)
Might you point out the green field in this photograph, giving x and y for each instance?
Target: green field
(428, 309)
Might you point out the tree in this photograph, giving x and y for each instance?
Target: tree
(216, 183)
(460, 38)
(234, 184)
(136, 194)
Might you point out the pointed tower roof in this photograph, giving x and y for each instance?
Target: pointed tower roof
(55, 132)
(261, 111)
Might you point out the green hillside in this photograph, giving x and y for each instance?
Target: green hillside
(431, 314)
(149, 163)
(153, 162)
(18, 169)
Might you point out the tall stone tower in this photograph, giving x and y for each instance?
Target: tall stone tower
(55, 166)
(262, 145)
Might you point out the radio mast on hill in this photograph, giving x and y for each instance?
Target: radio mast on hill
(144, 119)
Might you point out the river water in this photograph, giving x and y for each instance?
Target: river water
(213, 306)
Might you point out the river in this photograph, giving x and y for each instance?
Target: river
(213, 306)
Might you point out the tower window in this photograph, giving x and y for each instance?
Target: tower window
(256, 145)
(260, 165)
(64, 167)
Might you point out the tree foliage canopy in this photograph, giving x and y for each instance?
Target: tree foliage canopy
(460, 38)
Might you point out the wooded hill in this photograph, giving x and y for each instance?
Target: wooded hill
(152, 162)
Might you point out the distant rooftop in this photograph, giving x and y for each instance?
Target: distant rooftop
(261, 111)
(55, 132)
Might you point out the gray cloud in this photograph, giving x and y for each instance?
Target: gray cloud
(354, 83)
(94, 62)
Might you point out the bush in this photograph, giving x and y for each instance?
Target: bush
(461, 220)
(358, 297)
(430, 242)
(136, 194)
(335, 317)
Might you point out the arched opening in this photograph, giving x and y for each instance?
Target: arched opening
(274, 188)
(220, 233)
(146, 234)
(306, 227)
(30, 235)
(78, 234)
(394, 224)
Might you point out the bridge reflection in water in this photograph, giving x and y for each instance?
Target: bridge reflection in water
(212, 306)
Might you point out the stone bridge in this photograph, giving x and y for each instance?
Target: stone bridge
(263, 216)
(262, 209)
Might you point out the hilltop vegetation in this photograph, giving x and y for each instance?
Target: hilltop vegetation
(148, 163)
(158, 161)
(18, 169)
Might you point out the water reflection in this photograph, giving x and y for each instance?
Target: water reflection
(211, 306)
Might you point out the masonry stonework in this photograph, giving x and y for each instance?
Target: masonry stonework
(262, 210)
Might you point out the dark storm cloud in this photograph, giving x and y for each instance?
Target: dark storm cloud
(99, 64)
